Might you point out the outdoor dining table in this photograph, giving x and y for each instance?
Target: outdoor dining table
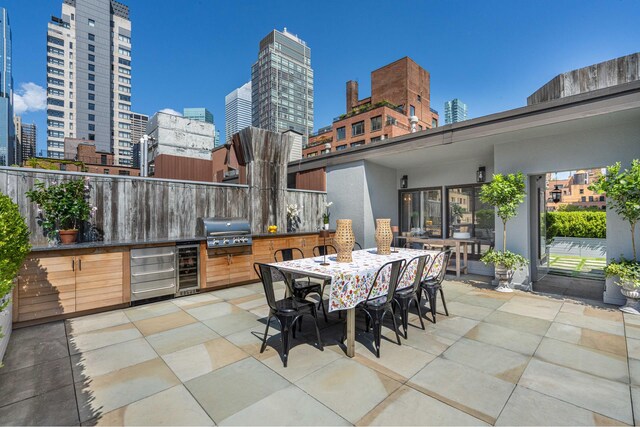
(351, 281)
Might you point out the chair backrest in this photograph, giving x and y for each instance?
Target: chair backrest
(388, 276)
(324, 250)
(438, 267)
(288, 254)
(268, 275)
(357, 246)
(411, 275)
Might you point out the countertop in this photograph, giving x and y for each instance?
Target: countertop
(168, 241)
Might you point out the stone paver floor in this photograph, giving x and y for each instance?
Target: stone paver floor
(503, 359)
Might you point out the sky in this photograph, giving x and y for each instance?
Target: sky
(490, 54)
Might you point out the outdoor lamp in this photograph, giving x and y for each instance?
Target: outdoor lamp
(324, 234)
(480, 174)
(556, 194)
(394, 230)
(404, 182)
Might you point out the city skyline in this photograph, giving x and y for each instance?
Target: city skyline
(535, 52)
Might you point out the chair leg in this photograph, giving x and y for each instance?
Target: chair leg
(419, 310)
(324, 310)
(432, 294)
(404, 316)
(377, 332)
(444, 304)
(264, 340)
(315, 322)
(285, 335)
(395, 327)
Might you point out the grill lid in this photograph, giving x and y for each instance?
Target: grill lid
(224, 232)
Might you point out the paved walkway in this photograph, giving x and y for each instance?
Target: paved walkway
(500, 359)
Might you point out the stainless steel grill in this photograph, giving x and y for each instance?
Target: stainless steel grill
(225, 232)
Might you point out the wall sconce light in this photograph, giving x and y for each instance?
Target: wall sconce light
(556, 194)
(404, 182)
(481, 174)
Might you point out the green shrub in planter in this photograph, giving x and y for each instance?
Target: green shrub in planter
(14, 246)
(583, 224)
(626, 269)
(508, 259)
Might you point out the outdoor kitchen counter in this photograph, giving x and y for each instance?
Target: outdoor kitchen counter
(58, 282)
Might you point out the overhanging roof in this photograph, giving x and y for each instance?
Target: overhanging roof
(496, 127)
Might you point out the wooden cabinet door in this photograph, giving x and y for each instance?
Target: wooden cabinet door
(46, 286)
(304, 243)
(241, 268)
(99, 279)
(218, 270)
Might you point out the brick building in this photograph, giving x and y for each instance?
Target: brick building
(399, 91)
(575, 191)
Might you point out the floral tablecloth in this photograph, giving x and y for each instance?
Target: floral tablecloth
(350, 282)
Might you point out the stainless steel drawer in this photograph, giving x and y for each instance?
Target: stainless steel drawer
(153, 289)
(151, 259)
(146, 252)
(152, 276)
(163, 266)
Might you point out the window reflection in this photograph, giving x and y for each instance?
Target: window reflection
(421, 212)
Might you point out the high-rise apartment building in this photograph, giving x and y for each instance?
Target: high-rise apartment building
(200, 114)
(237, 110)
(89, 78)
(28, 141)
(138, 129)
(282, 85)
(7, 129)
(17, 128)
(454, 111)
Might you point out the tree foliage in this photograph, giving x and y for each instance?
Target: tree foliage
(622, 188)
(505, 193)
(585, 224)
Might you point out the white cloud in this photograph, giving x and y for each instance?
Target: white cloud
(29, 98)
(170, 111)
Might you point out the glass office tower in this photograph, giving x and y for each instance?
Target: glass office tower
(7, 129)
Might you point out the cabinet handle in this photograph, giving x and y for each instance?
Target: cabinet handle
(73, 264)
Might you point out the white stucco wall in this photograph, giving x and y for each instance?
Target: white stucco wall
(575, 149)
(180, 136)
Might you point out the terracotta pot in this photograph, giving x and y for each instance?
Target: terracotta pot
(344, 240)
(384, 236)
(68, 237)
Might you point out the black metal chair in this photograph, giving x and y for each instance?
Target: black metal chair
(357, 246)
(432, 279)
(375, 309)
(302, 286)
(324, 250)
(287, 311)
(409, 286)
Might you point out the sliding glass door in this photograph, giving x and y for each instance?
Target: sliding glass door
(421, 212)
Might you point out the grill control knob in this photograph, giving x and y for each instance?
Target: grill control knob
(225, 242)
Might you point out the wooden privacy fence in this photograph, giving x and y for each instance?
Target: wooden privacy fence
(147, 209)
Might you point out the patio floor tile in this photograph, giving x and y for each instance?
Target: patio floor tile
(633, 348)
(499, 362)
(634, 371)
(174, 406)
(401, 409)
(44, 331)
(231, 323)
(481, 299)
(98, 338)
(209, 311)
(469, 390)
(635, 397)
(148, 311)
(29, 352)
(105, 393)
(398, 362)
(92, 322)
(520, 323)
(364, 387)
(304, 359)
(233, 293)
(589, 338)
(203, 358)
(591, 361)
(590, 322)
(31, 381)
(235, 387)
(504, 337)
(301, 409)
(57, 407)
(108, 359)
(470, 311)
(178, 338)
(528, 407)
(193, 301)
(532, 307)
(455, 325)
(609, 398)
(165, 322)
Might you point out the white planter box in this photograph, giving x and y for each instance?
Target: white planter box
(6, 324)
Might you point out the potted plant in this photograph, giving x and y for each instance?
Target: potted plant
(326, 215)
(62, 208)
(14, 247)
(622, 188)
(457, 213)
(505, 193)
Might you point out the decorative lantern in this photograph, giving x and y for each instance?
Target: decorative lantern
(556, 194)
(481, 174)
(404, 181)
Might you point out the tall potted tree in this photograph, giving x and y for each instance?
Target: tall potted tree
(63, 208)
(505, 193)
(14, 247)
(622, 188)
